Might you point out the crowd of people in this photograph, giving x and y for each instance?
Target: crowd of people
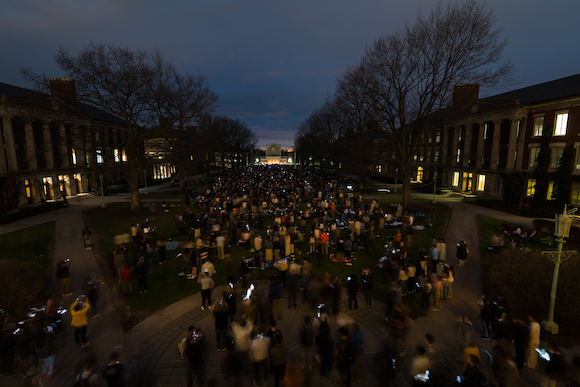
(291, 219)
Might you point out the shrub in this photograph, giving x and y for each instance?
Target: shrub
(524, 279)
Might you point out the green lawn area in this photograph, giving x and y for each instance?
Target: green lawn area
(25, 266)
(524, 279)
(30, 244)
(487, 226)
(165, 287)
(169, 193)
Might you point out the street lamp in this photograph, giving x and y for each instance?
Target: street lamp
(145, 180)
(562, 230)
(434, 186)
(102, 192)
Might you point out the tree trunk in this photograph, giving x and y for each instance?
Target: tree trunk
(133, 179)
(406, 182)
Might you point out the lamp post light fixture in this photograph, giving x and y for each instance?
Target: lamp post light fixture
(562, 230)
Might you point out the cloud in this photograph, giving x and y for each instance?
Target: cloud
(272, 62)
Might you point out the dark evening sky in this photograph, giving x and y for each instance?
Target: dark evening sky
(272, 62)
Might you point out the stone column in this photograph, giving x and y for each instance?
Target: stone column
(30, 147)
(48, 149)
(520, 141)
(62, 146)
(10, 144)
(480, 144)
(495, 145)
(78, 146)
(512, 146)
(444, 141)
(467, 156)
(455, 145)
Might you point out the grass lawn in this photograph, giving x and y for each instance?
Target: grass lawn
(30, 244)
(487, 226)
(169, 193)
(165, 287)
(25, 255)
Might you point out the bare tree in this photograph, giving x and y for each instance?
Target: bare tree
(228, 138)
(127, 84)
(181, 100)
(406, 79)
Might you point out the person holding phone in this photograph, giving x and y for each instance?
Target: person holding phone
(79, 322)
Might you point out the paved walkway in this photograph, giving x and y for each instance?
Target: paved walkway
(150, 348)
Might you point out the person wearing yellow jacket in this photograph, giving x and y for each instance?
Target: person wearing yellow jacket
(78, 311)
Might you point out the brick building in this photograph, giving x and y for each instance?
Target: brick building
(481, 140)
(52, 146)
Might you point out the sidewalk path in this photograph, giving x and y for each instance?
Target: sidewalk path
(150, 348)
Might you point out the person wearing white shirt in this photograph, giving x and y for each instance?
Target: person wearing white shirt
(420, 364)
(220, 241)
(259, 357)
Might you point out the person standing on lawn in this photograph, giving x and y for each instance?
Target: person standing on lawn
(207, 285)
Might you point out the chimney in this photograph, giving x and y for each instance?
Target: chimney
(464, 92)
(63, 88)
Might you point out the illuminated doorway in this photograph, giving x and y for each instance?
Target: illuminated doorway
(467, 181)
(78, 183)
(48, 188)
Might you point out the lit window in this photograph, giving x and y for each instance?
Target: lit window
(436, 155)
(534, 152)
(485, 128)
(455, 179)
(123, 155)
(550, 193)
(28, 188)
(575, 195)
(379, 167)
(99, 153)
(556, 155)
(538, 126)
(116, 155)
(73, 154)
(561, 124)
(531, 191)
(481, 183)
(458, 158)
(420, 174)
(438, 137)
(577, 164)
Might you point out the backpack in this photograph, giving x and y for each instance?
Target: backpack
(307, 336)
